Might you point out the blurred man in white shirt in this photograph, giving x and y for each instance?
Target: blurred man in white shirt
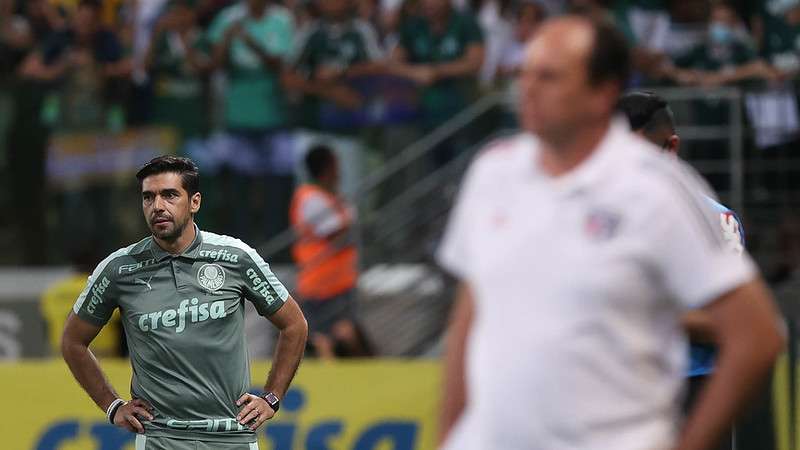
(566, 332)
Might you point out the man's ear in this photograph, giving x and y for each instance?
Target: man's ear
(194, 203)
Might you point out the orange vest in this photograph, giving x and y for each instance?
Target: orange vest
(325, 268)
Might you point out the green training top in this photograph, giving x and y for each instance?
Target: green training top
(184, 320)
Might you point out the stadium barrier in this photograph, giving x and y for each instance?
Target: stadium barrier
(378, 405)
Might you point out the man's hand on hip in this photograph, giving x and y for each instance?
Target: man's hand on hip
(129, 414)
(256, 411)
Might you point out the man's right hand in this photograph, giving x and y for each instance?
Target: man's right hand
(128, 415)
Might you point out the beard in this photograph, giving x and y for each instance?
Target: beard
(171, 232)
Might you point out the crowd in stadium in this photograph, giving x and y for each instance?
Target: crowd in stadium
(233, 78)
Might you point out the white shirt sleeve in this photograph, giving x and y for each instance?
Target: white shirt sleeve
(690, 257)
(318, 214)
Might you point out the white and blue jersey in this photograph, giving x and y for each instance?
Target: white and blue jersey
(702, 356)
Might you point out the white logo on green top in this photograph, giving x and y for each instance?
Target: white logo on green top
(171, 318)
(211, 276)
(259, 285)
(219, 255)
(97, 294)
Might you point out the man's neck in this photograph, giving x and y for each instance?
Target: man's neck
(561, 156)
(180, 244)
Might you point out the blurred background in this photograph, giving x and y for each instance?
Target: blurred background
(386, 102)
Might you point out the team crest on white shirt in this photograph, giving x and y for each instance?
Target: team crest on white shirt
(211, 276)
(731, 232)
(602, 224)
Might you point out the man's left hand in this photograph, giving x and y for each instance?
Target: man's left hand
(256, 411)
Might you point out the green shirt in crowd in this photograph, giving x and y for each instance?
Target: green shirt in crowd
(423, 46)
(329, 44)
(179, 98)
(183, 317)
(712, 58)
(254, 99)
(781, 44)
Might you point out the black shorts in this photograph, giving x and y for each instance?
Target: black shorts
(323, 314)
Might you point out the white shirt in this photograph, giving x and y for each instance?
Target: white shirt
(579, 283)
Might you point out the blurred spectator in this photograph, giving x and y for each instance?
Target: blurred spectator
(647, 20)
(177, 61)
(333, 53)
(726, 56)
(494, 17)
(83, 60)
(442, 50)
(528, 15)
(57, 302)
(325, 254)
(777, 29)
(23, 28)
(251, 40)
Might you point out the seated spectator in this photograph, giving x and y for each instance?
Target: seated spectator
(177, 62)
(724, 58)
(325, 254)
(333, 51)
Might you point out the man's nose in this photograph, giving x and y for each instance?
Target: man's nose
(158, 203)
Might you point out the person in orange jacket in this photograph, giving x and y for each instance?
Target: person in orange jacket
(326, 257)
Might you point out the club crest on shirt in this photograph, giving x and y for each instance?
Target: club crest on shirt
(211, 276)
(731, 232)
(601, 224)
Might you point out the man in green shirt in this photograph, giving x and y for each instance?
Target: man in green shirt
(332, 55)
(780, 39)
(178, 62)
(251, 40)
(180, 295)
(441, 49)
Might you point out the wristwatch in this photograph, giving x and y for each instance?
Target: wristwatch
(273, 401)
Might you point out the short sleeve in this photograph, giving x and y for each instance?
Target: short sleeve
(97, 302)
(259, 285)
(691, 258)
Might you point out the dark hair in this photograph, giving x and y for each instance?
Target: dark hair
(185, 167)
(646, 111)
(610, 58)
(318, 159)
